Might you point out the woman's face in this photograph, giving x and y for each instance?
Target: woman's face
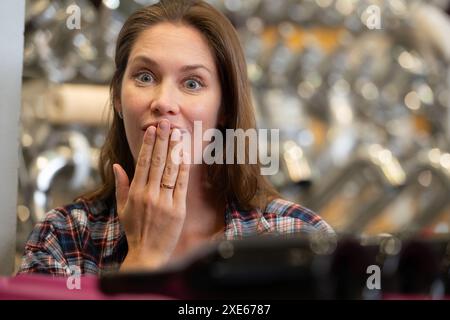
(171, 74)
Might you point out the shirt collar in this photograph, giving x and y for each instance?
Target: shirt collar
(241, 223)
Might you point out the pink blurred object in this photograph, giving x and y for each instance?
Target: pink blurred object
(43, 287)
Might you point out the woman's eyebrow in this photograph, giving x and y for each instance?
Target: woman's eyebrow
(151, 62)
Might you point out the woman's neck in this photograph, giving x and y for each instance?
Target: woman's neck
(205, 214)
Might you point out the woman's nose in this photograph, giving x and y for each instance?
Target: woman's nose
(164, 99)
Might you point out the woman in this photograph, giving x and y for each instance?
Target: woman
(176, 62)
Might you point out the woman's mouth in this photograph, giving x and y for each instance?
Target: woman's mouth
(172, 126)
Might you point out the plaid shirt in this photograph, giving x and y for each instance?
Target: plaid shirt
(88, 235)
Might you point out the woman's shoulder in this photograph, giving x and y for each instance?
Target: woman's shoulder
(290, 217)
(78, 214)
(66, 235)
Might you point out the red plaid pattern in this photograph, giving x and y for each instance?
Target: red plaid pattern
(88, 235)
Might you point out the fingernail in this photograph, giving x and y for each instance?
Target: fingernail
(176, 134)
(151, 130)
(164, 125)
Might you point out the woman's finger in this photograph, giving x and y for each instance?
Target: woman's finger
(180, 191)
(159, 156)
(173, 160)
(122, 186)
(144, 159)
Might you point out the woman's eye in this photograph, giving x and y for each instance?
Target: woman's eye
(144, 77)
(193, 84)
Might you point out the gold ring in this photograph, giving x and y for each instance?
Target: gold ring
(163, 185)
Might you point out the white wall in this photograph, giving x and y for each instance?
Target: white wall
(12, 20)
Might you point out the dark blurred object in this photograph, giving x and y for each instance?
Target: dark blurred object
(300, 268)
(419, 269)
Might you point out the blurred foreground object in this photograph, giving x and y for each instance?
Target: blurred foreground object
(300, 268)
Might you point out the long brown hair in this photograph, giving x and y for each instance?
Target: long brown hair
(241, 183)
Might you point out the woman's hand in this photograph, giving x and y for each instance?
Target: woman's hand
(151, 212)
